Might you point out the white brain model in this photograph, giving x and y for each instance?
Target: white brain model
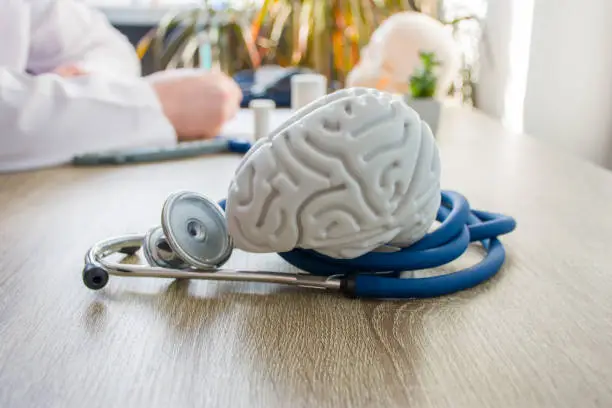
(346, 174)
(392, 54)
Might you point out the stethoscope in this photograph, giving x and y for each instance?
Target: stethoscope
(193, 242)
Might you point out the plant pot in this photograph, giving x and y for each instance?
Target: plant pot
(429, 110)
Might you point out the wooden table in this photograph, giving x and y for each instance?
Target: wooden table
(538, 334)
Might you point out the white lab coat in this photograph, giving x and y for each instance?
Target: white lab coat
(44, 119)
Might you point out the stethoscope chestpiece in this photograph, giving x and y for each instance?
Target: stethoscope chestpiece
(157, 251)
(195, 230)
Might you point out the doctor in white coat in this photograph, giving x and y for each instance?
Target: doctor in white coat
(70, 83)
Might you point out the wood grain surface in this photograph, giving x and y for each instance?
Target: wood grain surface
(539, 334)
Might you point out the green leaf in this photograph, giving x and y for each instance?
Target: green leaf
(423, 82)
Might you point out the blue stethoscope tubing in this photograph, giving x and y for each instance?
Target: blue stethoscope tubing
(377, 274)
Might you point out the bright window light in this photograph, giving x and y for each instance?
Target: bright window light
(518, 49)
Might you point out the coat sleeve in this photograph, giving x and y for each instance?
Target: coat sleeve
(70, 32)
(45, 120)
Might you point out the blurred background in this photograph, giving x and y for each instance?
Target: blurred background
(540, 67)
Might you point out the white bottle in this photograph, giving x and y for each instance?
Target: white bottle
(262, 113)
(306, 88)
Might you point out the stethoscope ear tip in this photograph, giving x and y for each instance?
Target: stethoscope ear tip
(94, 277)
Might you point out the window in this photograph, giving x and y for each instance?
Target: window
(149, 12)
(137, 12)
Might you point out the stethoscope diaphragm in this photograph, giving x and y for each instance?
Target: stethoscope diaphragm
(196, 230)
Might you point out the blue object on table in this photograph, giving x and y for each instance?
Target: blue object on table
(155, 154)
(278, 90)
(377, 274)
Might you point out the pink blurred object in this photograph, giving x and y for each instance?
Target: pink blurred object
(392, 55)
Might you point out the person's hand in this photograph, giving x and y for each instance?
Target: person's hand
(68, 70)
(197, 103)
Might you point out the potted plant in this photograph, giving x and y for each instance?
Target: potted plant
(423, 87)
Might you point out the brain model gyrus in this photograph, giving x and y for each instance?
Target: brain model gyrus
(350, 172)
